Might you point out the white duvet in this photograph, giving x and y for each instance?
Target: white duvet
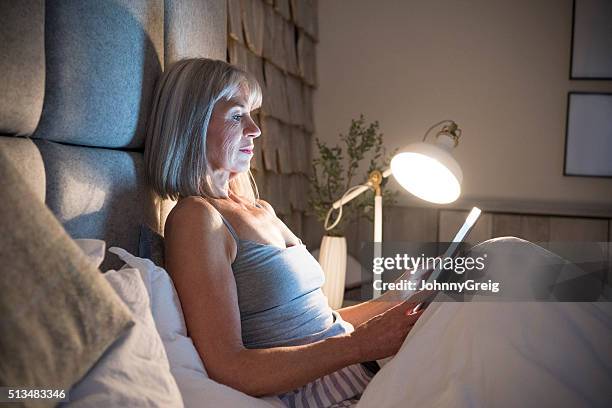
(503, 354)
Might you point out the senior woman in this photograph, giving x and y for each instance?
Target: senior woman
(249, 289)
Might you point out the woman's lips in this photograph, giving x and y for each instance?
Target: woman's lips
(247, 151)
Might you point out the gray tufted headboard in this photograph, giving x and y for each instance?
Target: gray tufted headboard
(76, 81)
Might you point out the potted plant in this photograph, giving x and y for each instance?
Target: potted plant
(333, 174)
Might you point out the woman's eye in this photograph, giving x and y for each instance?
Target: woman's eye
(237, 118)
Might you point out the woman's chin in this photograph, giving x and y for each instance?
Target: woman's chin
(239, 170)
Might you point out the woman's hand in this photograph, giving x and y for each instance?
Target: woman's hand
(382, 335)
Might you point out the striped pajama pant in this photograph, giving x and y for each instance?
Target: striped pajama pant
(342, 388)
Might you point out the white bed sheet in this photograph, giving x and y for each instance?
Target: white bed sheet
(502, 354)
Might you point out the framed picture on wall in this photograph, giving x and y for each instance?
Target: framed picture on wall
(588, 135)
(591, 55)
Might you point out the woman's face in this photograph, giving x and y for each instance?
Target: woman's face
(231, 130)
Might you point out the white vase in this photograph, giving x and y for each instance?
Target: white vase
(332, 257)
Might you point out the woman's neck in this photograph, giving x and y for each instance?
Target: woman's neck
(219, 181)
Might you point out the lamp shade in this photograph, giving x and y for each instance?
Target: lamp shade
(429, 171)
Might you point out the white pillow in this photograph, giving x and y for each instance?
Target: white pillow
(94, 249)
(134, 371)
(196, 388)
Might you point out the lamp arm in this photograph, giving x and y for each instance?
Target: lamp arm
(349, 195)
(353, 192)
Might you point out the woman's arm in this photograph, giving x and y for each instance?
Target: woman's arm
(199, 252)
(362, 312)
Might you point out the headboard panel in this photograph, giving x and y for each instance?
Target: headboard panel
(22, 86)
(103, 58)
(22, 65)
(102, 61)
(99, 193)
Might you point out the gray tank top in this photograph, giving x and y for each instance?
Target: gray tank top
(280, 297)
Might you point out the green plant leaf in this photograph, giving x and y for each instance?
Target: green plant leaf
(333, 173)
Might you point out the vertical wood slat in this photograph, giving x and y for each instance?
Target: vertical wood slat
(293, 191)
(306, 166)
(273, 49)
(237, 54)
(242, 57)
(529, 227)
(282, 7)
(298, 192)
(255, 67)
(282, 181)
(294, 149)
(234, 21)
(300, 148)
(306, 59)
(297, 12)
(295, 218)
(295, 100)
(303, 193)
(271, 192)
(578, 229)
(269, 142)
(535, 228)
(289, 47)
(275, 96)
(313, 26)
(253, 23)
(451, 220)
(285, 164)
(304, 14)
(308, 108)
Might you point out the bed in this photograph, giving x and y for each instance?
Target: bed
(77, 78)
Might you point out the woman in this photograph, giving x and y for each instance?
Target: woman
(249, 289)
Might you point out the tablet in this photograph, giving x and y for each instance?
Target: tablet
(451, 251)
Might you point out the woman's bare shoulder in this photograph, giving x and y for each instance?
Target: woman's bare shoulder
(195, 225)
(193, 212)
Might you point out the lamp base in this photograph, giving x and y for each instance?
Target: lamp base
(332, 258)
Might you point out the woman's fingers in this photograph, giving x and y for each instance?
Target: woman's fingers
(414, 315)
(421, 296)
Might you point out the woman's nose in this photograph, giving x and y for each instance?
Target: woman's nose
(253, 130)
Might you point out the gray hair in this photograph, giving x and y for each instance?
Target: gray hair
(175, 148)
